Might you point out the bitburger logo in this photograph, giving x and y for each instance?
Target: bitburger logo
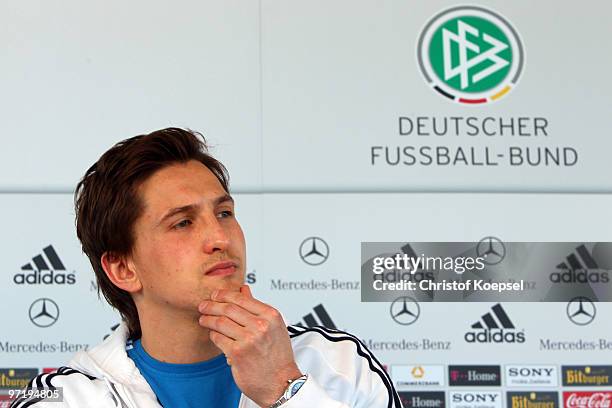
(46, 269)
(16, 378)
(532, 399)
(579, 267)
(495, 327)
(587, 376)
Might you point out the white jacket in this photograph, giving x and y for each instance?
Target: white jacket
(342, 373)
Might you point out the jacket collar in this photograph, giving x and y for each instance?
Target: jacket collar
(109, 360)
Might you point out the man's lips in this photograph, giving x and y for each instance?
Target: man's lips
(222, 268)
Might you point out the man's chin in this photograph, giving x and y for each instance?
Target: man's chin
(232, 284)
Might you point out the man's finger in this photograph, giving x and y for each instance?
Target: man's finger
(246, 302)
(246, 289)
(224, 343)
(233, 311)
(223, 325)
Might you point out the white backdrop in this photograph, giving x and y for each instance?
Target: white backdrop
(293, 96)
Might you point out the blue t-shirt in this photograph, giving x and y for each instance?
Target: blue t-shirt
(198, 385)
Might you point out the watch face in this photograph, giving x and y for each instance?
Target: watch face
(295, 387)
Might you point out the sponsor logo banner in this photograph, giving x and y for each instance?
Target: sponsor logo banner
(475, 399)
(45, 268)
(62, 346)
(531, 376)
(547, 399)
(474, 375)
(592, 399)
(5, 401)
(16, 378)
(417, 375)
(495, 327)
(422, 399)
(587, 376)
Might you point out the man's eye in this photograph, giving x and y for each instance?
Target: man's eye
(225, 214)
(182, 224)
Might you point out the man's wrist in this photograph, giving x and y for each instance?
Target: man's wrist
(293, 387)
(279, 384)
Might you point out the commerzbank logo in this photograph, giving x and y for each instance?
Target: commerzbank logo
(409, 376)
(470, 55)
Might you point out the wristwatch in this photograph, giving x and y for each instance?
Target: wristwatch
(292, 389)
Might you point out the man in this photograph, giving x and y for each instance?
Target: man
(155, 217)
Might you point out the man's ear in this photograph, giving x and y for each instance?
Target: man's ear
(121, 272)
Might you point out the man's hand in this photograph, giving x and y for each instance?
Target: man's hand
(254, 338)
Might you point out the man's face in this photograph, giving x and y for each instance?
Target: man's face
(187, 240)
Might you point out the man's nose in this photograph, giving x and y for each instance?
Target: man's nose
(215, 236)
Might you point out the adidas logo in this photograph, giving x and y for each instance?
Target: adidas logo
(579, 267)
(324, 319)
(113, 328)
(495, 327)
(46, 268)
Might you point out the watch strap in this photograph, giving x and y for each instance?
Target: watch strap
(292, 389)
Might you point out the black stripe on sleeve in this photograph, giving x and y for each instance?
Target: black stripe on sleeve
(38, 380)
(28, 403)
(46, 379)
(362, 350)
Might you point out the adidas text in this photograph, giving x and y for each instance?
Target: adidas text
(47, 278)
(579, 276)
(495, 336)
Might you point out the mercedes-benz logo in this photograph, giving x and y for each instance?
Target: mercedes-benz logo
(405, 310)
(491, 249)
(314, 251)
(581, 311)
(43, 312)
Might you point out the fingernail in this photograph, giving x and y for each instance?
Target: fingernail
(203, 306)
(213, 296)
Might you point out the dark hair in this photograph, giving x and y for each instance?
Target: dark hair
(107, 203)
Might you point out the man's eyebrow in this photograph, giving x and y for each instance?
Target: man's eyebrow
(224, 198)
(194, 207)
(183, 209)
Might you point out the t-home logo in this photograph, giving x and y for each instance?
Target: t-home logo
(587, 376)
(423, 399)
(532, 399)
(470, 55)
(474, 375)
(417, 375)
(476, 399)
(532, 376)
